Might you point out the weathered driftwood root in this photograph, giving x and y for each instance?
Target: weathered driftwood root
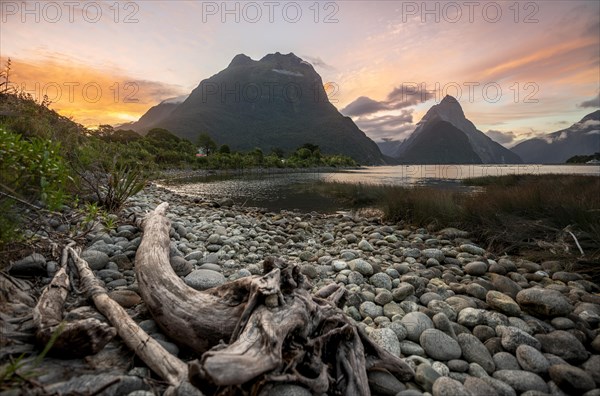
(88, 335)
(167, 366)
(260, 329)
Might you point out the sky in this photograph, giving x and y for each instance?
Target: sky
(520, 69)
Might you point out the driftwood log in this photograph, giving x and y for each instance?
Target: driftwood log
(167, 366)
(89, 335)
(260, 330)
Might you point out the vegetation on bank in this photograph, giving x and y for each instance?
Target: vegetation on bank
(47, 159)
(582, 159)
(530, 214)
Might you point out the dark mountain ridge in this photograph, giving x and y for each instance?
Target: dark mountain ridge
(581, 138)
(445, 135)
(276, 102)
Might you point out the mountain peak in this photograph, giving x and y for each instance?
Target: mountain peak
(240, 60)
(449, 110)
(449, 99)
(249, 105)
(277, 56)
(592, 116)
(444, 134)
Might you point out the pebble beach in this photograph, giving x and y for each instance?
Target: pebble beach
(468, 322)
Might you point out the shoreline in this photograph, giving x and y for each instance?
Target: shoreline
(183, 174)
(408, 288)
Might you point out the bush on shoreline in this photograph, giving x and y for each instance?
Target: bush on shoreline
(46, 157)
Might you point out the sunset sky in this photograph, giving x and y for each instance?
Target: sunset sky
(524, 68)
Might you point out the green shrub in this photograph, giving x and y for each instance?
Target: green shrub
(32, 169)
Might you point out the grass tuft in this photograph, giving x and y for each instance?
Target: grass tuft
(508, 214)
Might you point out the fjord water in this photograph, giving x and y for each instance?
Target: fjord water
(293, 189)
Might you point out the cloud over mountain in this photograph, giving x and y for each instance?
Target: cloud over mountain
(593, 103)
(503, 138)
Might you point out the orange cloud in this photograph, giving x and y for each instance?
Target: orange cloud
(89, 96)
(540, 59)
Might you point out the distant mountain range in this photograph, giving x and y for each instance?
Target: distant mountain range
(276, 102)
(581, 138)
(280, 102)
(445, 136)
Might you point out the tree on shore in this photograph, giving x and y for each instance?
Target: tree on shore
(206, 143)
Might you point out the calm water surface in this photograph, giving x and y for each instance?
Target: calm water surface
(276, 191)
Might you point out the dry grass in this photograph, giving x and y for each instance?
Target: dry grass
(511, 214)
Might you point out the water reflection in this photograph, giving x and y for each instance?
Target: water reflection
(276, 191)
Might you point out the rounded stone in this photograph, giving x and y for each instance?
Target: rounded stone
(458, 303)
(95, 259)
(426, 298)
(416, 323)
(592, 366)
(441, 322)
(356, 278)
(364, 245)
(522, 381)
(505, 285)
(181, 266)
(309, 270)
(426, 376)
(392, 309)
(361, 266)
(471, 317)
(506, 361)
(563, 344)
(339, 265)
(501, 388)
(212, 267)
(512, 337)
(384, 383)
(204, 279)
(474, 351)
(483, 332)
(445, 386)
(475, 370)
(402, 291)
(457, 365)
(441, 368)
(474, 250)
(438, 306)
(381, 280)
(530, 359)
(544, 302)
(476, 290)
(503, 303)
(477, 386)
(439, 346)
(411, 348)
(561, 323)
(476, 268)
(384, 298)
(399, 329)
(387, 339)
(435, 254)
(370, 309)
(571, 379)
(149, 326)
